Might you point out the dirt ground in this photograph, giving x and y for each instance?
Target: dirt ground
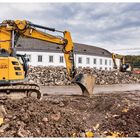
(115, 114)
(75, 90)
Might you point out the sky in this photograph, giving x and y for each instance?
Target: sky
(113, 26)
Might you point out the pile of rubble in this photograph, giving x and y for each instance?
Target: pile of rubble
(58, 76)
(103, 115)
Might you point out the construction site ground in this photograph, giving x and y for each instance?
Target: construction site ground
(112, 111)
(75, 90)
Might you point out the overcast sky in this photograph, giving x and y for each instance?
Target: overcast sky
(113, 26)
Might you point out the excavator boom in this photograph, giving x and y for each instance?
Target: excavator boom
(11, 30)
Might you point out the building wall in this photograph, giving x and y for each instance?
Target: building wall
(107, 63)
(98, 64)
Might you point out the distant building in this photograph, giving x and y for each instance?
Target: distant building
(42, 53)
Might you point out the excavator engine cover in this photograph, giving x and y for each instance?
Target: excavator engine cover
(86, 83)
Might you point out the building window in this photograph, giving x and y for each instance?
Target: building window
(28, 56)
(87, 60)
(51, 59)
(105, 61)
(39, 58)
(61, 59)
(101, 68)
(101, 61)
(105, 68)
(110, 62)
(94, 61)
(80, 60)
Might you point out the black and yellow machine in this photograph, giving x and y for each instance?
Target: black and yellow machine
(13, 67)
(124, 66)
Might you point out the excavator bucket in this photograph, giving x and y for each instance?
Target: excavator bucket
(86, 83)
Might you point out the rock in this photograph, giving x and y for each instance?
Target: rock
(125, 110)
(115, 115)
(2, 109)
(96, 126)
(6, 120)
(2, 114)
(9, 116)
(23, 133)
(56, 116)
(3, 128)
(45, 119)
(22, 110)
(61, 104)
(82, 135)
(38, 131)
(21, 124)
(138, 134)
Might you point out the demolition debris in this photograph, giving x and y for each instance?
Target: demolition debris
(48, 76)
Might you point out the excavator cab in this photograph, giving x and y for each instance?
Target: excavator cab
(24, 61)
(124, 67)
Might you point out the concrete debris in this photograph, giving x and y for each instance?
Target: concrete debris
(56, 116)
(49, 76)
(3, 128)
(45, 119)
(2, 110)
(23, 133)
(96, 126)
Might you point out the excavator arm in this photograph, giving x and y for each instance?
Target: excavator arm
(28, 30)
(15, 29)
(117, 56)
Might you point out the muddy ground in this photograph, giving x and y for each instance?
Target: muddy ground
(114, 114)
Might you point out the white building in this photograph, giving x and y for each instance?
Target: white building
(42, 53)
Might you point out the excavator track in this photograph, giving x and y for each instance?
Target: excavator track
(16, 91)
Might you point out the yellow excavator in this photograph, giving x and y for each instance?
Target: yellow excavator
(123, 67)
(13, 67)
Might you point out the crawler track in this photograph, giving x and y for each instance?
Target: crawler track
(21, 90)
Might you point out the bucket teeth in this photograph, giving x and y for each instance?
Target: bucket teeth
(86, 83)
